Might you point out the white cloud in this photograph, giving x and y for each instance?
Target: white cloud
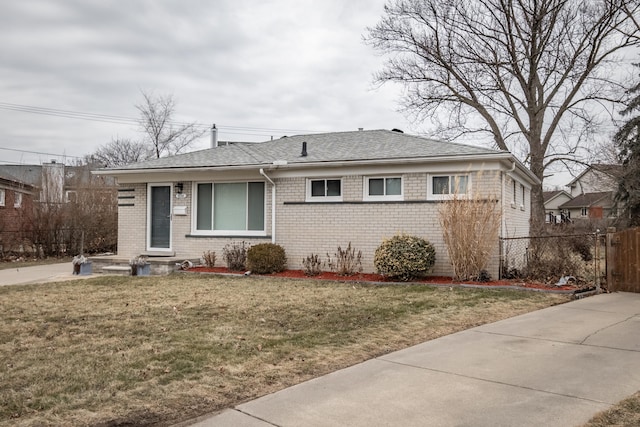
(278, 64)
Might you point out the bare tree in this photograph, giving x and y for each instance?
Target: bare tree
(530, 73)
(119, 152)
(164, 136)
(83, 220)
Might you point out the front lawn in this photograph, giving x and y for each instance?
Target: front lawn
(159, 350)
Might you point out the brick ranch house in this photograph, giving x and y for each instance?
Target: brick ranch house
(311, 193)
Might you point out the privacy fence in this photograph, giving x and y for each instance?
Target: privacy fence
(623, 260)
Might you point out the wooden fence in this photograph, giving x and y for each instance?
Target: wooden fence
(623, 260)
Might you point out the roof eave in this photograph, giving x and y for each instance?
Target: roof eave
(501, 156)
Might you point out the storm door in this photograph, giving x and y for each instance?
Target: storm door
(159, 208)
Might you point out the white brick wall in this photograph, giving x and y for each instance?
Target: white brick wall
(306, 228)
(516, 214)
(132, 220)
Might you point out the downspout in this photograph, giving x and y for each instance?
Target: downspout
(273, 205)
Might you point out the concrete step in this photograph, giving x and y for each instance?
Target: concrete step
(119, 270)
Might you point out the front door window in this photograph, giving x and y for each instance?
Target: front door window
(160, 224)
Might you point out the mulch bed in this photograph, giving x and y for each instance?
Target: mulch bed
(376, 278)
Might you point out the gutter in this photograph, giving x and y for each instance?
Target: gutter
(302, 165)
(273, 206)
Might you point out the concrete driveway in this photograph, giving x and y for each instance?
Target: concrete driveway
(553, 367)
(38, 274)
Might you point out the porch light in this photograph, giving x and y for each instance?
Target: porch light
(179, 187)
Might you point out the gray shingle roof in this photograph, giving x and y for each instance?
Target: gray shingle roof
(373, 145)
(27, 174)
(587, 200)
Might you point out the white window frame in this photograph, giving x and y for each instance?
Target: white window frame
(385, 197)
(194, 209)
(17, 201)
(310, 198)
(451, 176)
(584, 212)
(2, 197)
(524, 197)
(67, 193)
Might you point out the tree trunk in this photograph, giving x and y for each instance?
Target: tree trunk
(536, 222)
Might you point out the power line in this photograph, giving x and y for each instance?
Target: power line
(68, 114)
(107, 118)
(39, 152)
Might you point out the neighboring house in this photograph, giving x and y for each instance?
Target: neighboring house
(552, 202)
(56, 182)
(311, 193)
(593, 194)
(591, 206)
(597, 178)
(53, 188)
(16, 197)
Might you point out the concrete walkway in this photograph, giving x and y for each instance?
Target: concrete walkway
(38, 274)
(553, 367)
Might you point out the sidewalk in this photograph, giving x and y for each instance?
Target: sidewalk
(553, 367)
(38, 274)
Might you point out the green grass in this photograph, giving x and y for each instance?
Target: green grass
(159, 350)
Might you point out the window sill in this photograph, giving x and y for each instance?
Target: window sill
(363, 202)
(383, 199)
(228, 236)
(324, 200)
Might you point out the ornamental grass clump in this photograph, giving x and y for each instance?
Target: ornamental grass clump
(266, 258)
(312, 265)
(345, 262)
(404, 257)
(209, 258)
(470, 226)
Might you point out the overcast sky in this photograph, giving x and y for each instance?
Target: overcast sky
(277, 67)
(257, 69)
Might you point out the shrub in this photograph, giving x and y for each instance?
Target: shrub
(404, 257)
(235, 256)
(209, 258)
(345, 262)
(312, 265)
(266, 258)
(484, 276)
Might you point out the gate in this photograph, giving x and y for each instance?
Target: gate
(623, 260)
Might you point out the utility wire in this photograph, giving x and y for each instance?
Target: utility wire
(106, 118)
(39, 152)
